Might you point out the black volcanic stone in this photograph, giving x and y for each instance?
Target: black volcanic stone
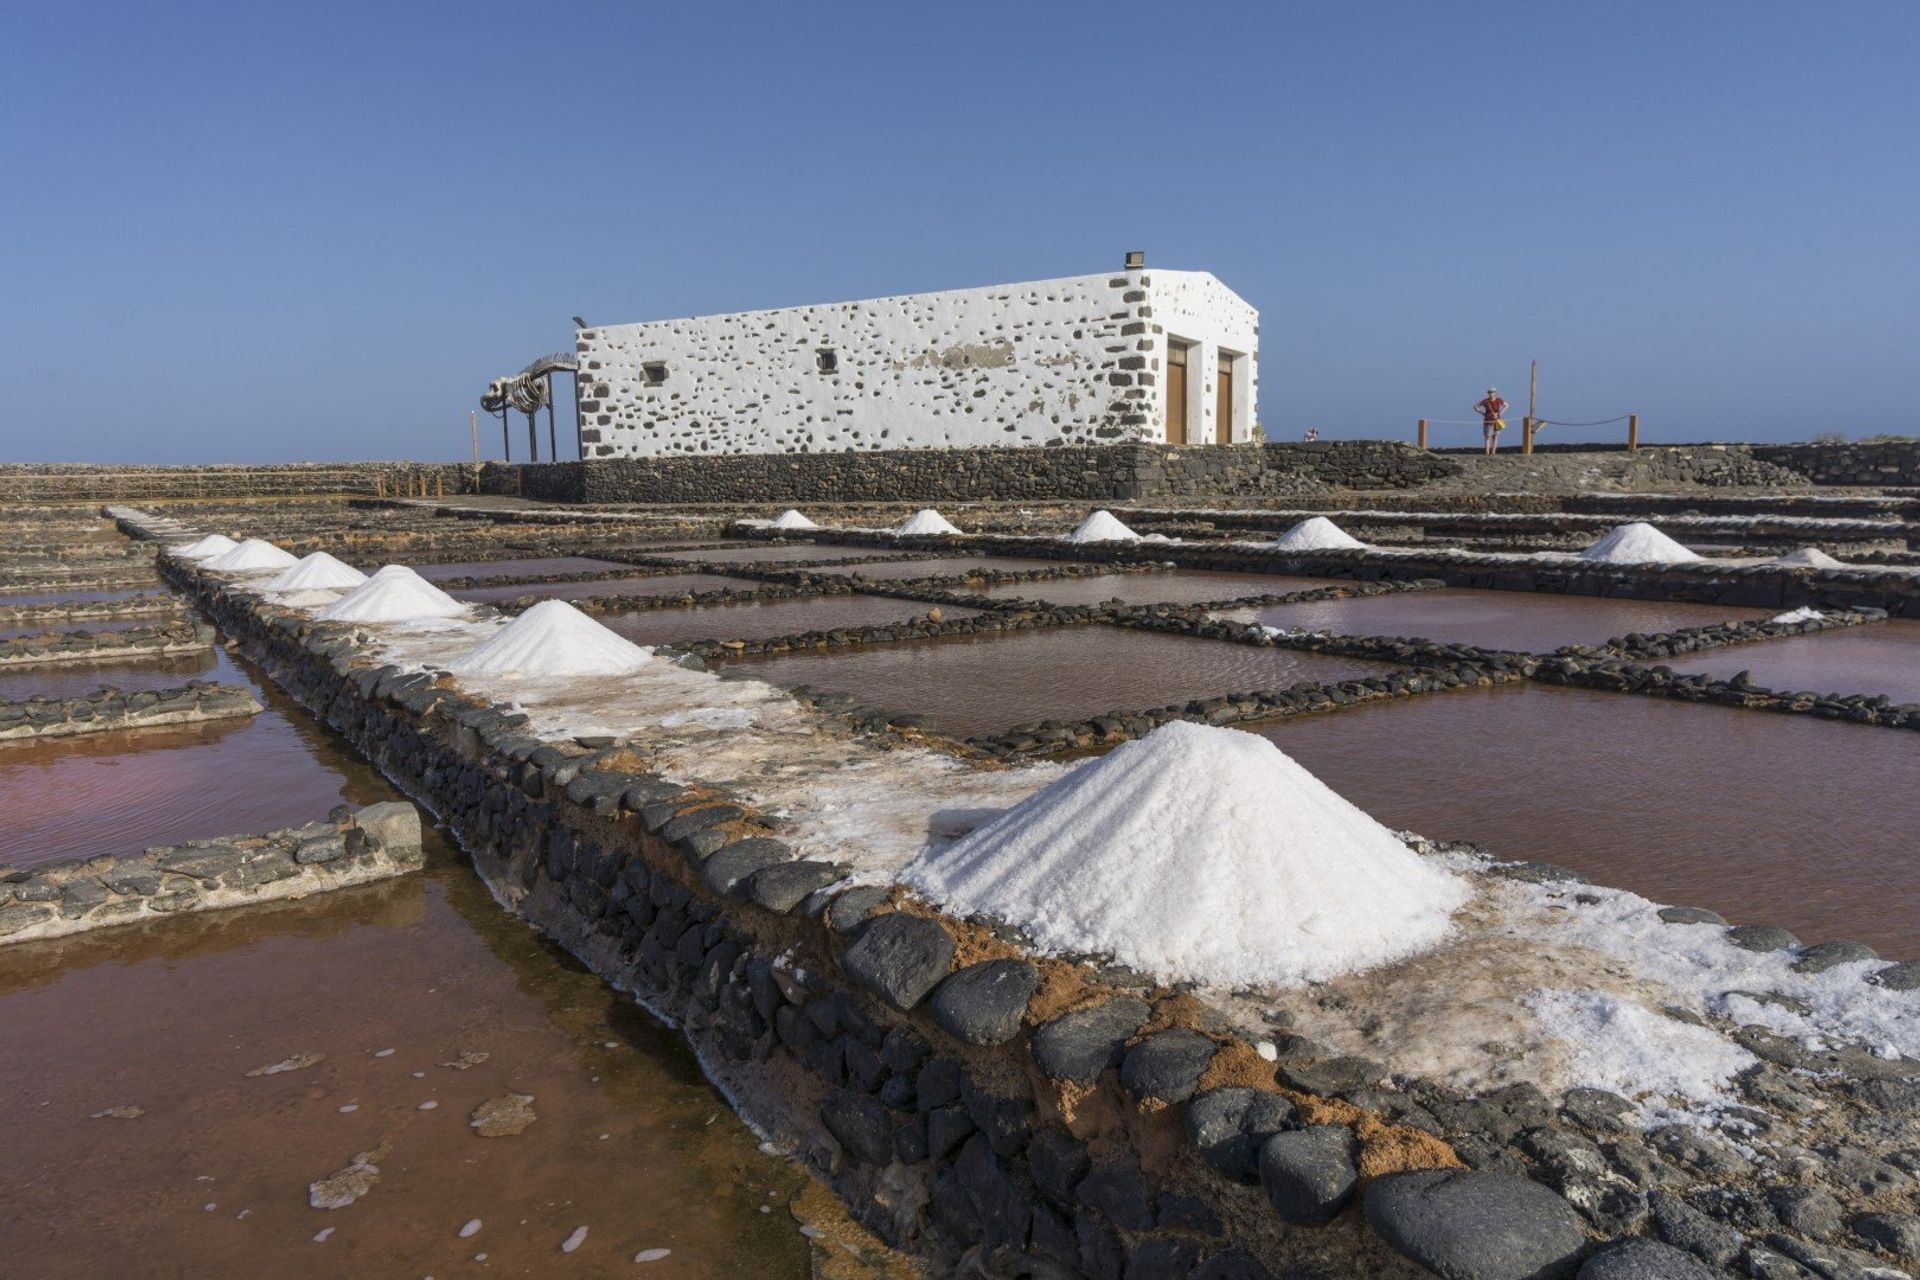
(983, 1003)
(899, 958)
(1078, 1046)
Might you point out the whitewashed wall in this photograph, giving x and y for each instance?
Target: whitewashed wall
(1068, 361)
(1196, 308)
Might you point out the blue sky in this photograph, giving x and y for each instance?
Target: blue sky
(273, 232)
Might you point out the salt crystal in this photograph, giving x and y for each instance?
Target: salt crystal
(320, 1236)
(317, 572)
(473, 1225)
(1637, 543)
(394, 594)
(923, 522)
(1316, 533)
(349, 1109)
(383, 1053)
(552, 639)
(428, 1105)
(651, 1255)
(1102, 526)
(251, 556)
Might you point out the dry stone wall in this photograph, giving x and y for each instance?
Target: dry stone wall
(63, 482)
(1895, 462)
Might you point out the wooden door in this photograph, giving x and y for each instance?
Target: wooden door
(1176, 394)
(1223, 402)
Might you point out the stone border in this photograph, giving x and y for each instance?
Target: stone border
(109, 709)
(1720, 635)
(49, 647)
(56, 899)
(1625, 676)
(93, 610)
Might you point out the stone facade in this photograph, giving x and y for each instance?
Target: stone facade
(1080, 360)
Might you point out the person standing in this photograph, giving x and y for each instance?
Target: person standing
(1313, 433)
(1491, 422)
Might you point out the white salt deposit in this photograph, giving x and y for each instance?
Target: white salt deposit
(317, 572)
(1805, 613)
(925, 521)
(1637, 543)
(394, 594)
(214, 544)
(1666, 1066)
(1316, 533)
(255, 555)
(1102, 526)
(1808, 558)
(1203, 854)
(552, 639)
(791, 519)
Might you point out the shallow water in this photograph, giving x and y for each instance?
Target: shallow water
(1155, 588)
(666, 584)
(1526, 621)
(971, 685)
(12, 598)
(1880, 658)
(942, 568)
(72, 680)
(762, 620)
(96, 625)
(1767, 819)
(212, 1180)
(501, 568)
(778, 551)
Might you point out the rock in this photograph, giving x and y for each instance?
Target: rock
(345, 1185)
(1229, 1125)
(502, 1117)
(298, 1062)
(1807, 1211)
(1761, 937)
(1829, 954)
(1117, 1190)
(1167, 1065)
(1596, 1109)
(1309, 1174)
(1691, 915)
(1897, 1233)
(1078, 1046)
(862, 1125)
(393, 824)
(1237, 1264)
(899, 958)
(723, 871)
(1329, 1076)
(785, 885)
(983, 1003)
(1685, 1227)
(1904, 976)
(852, 908)
(327, 848)
(1643, 1259)
(1468, 1225)
(1685, 1145)
(1057, 1162)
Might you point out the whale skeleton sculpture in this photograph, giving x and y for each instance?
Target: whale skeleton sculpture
(529, 391)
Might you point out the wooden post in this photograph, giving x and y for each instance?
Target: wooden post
(473, 428)
(439, 486)
(1423, 433)
(1527, 425)
(1633, 432)
(379, 485)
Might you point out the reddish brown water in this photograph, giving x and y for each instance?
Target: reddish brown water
(1525, 621)
(1882, 658)
(666, 584)
(804, 552)
(69, 681)
(211, 1181)
(972, 685)
(942, 568)
(502, 568)
(1153, 588)
(1767, 819)
(764, 620)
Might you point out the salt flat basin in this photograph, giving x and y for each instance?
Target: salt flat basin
(1178, 587)
(1874, 659)
(761, 620)
(967, 685)
(74, 679)
(666, 584)
(50, 595)
(1765, 818)
(501, 568)
(629, 1140)
(99, 626)
(945, 567)
(1530, 622)
(779, 551)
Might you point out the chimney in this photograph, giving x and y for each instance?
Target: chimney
(1136, 259)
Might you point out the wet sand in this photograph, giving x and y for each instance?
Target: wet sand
(1522, 620)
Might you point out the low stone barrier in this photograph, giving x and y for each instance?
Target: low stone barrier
(92, 610)
(1638, 646)
(107, 709)
(51, 647)
(352, 847)
(1618, 676)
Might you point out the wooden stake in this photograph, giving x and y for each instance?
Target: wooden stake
(473, 428)
(1633, 432)
(1423, 433)
(439, 489)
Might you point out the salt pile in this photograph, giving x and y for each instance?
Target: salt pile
(1316, 533)
(1637, 543)
(924, 522)
(552, 639)
(252, 556)
(1805, 613)
(1202, 854)
(317, 572)
(394, 594)
(214, 544)
(1808, 558)
(791, 519)
(1102, 526)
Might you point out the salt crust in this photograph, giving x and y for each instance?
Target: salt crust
(552, 639)
(791, 519)
(1102, 526)
(255, 555)
(924, 521)
(1637, 543)
(1670, 1069)
(1808, 558)
(1316, 533)
(1199, 854)
(317, 572)
(1805, 613)
(214, 544)
(394, 594)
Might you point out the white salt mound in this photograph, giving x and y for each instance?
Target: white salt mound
(252, 556)
(1203, 854)
(552, 639)
(791, 519)
(394, 594)
(317, 572)
(924, 522)
(1316, 533)
(1808, 558)
(1805, 613)
(214, 544)
(1637, 543)
(1102, 526)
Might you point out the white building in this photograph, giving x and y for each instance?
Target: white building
(1133, 356)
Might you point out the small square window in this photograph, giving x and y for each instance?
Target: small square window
(654, 371)
(826, 360)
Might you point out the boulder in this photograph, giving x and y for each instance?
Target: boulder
(983, 1003)
(1309, 1174)
(899, 958)
(1078, 1046)
(1474, 1225)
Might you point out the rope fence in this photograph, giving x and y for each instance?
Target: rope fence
(1530, 426)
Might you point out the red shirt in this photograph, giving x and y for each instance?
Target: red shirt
(1490, 408)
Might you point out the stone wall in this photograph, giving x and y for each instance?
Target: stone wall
(1895, 462)
(109, 708)
(49, 647)
(66, 482)
(55, 899)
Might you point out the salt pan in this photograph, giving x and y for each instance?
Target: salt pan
(552, 639)
(1316, 533)
(1102, 526)
(791, 519)
(1203, 854)
(1637, 543)
(317, 572)
(925, 521)
(214, 544)
(394, 594)
(251, 556)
